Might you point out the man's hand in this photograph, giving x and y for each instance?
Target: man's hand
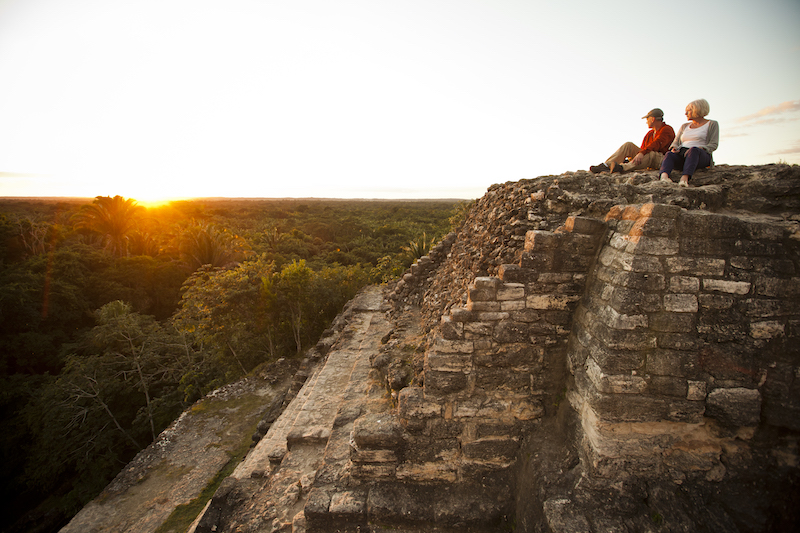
(637, 158)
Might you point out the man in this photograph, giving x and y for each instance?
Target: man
(655, 144)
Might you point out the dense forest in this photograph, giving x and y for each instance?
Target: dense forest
(115, 317)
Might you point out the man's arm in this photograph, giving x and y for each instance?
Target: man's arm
(660, 141)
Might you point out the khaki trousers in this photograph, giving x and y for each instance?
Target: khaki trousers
(650, 159)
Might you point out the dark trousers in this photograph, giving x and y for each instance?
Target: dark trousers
(687, 160)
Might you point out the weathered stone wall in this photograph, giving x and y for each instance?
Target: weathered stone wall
(688, 317)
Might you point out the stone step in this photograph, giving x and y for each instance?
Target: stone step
(309, 418)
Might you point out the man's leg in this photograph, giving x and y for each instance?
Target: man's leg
(649, 160)
(626, 150)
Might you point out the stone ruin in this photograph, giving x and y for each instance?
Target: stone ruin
(587, 353)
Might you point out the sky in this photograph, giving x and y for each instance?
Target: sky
(164, 99)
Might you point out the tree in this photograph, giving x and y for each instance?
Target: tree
(208, 244)
(113, 219)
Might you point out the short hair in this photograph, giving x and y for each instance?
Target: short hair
(700, 107)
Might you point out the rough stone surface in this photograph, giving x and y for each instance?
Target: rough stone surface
(587, 353)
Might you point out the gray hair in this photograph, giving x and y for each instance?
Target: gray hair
(700, 107)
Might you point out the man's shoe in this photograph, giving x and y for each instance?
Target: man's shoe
(617, 169)
(599, 168)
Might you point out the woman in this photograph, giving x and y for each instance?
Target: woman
(693, 145)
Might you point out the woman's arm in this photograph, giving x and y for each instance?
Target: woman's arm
(712, 140)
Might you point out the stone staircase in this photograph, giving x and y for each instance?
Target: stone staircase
(308, 445)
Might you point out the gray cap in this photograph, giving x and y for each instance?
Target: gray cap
(655, 113)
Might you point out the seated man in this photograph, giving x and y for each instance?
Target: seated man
(655, 144)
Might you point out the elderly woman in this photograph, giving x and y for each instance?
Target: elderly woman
(693, 145)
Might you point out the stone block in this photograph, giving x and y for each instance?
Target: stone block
(481, 295)
(517, 274)
(616, 384)
(508, 331)
(413, 405)
(710, 225)
(653, 227)
(667, 386)
(512, 305)
(487, 283)
(696, 390)
(548, 301)
(668, 362)
(659, 246)
(377, 430)
(511, 291)
(460, 314)
(735, 407)
(538, 261)
(373, 456)
(429, 472)
(539, 240)
(450, 329)
(765, 308)
(445, 346)
(767, 329)
(660, 211)
(764, 265)
(491, 316)
(483, 306)
(438, 382)
(778, 287)
(701, 246)
(715, 301)
(497, 378)
(632, 302)
(585, 225)
(613, 319)
(697, 266)
(684, 284)
(725, 286)
(672, 322)
(680, 303)
(448, 362)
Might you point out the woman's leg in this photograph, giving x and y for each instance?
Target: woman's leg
(695, 158)
(670, 161)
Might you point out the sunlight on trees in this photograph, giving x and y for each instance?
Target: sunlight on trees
(113, 219)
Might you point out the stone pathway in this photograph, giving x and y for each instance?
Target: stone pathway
(310, 440)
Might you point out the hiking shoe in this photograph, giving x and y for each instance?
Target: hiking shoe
(617, 169)
(602, 167)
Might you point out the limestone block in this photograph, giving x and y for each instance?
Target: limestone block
(614, 319)
(710, 225)
(652, 245)
(538, 261)
(557, 277)
(483, 306)
(660, 211)
(377, 430)
(511, 291)
(614, 384)
(479, 329)
(348, 505)
(372, 456)
(584, 225)
(670, 322)
(546, 301)
(481, 295)
(768, 329)
(508, 331)
(778, 287)
(448, 362)
(490, 316)
(427, 472)
(715, 301)
(696, 390)
(696, 245)
(517, 274)
(668, 362)
(495, 378)
(764, 265)
(542, 240)
(450, 329)
(445, 346)
(764, 308)
(698, 266)
(680, 303)
(684, 284)
(460, 314)
(653, 226)
(487, 283)
(512, 305)
(735, 406)
(633, 302)
(729, 287)
(413, 405)
(438, 382)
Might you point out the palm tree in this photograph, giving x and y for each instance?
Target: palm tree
(207, 244)
(113, 219)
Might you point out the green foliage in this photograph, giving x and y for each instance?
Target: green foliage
(419, 247)
(114, 317)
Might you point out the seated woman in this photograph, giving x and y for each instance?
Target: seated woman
(693, 145)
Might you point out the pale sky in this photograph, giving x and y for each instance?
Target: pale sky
(374, 98)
